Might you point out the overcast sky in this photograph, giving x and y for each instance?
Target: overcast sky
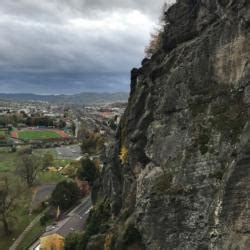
(70, 46)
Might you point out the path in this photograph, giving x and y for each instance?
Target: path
(75, 221)
(42, 193)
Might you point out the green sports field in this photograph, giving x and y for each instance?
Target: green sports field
(2, 133)
(38, 135)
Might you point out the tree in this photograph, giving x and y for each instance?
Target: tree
(65, 194)
(92, 143)
(47, 160)
(8, 198)
(112, 124)
(89, 143)
(73, 128)
(154, 44)
(61, 124)
(71, 241)
(28, 168)
(156, 40)
(46, 218)
(25, 151)
(88, 171)
(39, 121)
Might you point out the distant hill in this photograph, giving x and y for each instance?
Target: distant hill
(81, 98)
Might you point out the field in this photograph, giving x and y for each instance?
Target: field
(39, 134)
(2, 133)
(21, 218)
(8, 163)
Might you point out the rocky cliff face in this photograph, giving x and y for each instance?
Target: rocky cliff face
(179, 175)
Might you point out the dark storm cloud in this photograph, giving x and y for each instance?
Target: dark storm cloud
(72, 45)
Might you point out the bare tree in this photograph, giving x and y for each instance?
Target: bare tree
(154, 44)
(8, 201)
(28, 168)
(156, 39)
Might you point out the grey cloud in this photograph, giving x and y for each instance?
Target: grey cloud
(63, 83)
(57, 9)
(85, 44)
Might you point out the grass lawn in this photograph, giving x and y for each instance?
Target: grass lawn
(2, 133)
(50, 177)
(38, 135)
(19, 222)
(21, 213)
(8, 161)
(31, 236)
(57, 162)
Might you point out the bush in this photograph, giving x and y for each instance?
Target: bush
(65, 195)
(133, 236)
(45, 219)
(71, 241)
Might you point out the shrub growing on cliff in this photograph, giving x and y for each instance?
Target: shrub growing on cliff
(123, 154)
(92, 142)
(133, 237)
(98, 216)
(71, 241)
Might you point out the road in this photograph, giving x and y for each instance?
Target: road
(76, 218)
(69, 152)
(74, 222)
(42, 193)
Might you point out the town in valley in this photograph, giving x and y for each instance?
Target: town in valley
(46, 148)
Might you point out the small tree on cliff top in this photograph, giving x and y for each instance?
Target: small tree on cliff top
(156, 39)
